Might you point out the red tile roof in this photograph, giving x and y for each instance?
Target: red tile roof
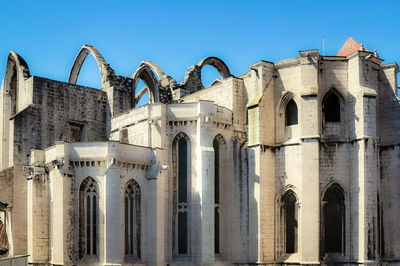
(351, 46)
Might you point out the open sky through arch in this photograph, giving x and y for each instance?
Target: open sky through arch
(178, 34)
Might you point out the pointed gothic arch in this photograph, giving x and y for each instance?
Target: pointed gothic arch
(17, 71)
(145, 72)
(181, 149)
(287, 116)
(132, 220)
(218, 64)
(106, 72)
(219, 145)
(332, 105)
(289, 221)
(333, 220)
(88, 218)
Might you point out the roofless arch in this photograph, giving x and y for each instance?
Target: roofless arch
(105, 70)
(16, 60)
(17, 71)
(218, 64)
(147, 72)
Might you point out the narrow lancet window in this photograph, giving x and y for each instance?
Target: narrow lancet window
(88, 217)
(181, 194)
(216, 145)
(290, 222)
(291, 114)
(132, 220)
(331, 108)
(333, 209)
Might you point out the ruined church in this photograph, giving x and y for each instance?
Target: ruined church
(293, 162)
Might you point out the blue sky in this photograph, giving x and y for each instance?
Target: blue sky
(178, 34)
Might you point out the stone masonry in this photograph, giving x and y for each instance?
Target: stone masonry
(294, 162)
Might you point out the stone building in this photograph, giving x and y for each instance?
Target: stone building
(293, 162)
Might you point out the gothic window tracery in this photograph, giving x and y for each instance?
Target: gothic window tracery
(88, 217)
(218, 145)
(132, 199)
(181, 154)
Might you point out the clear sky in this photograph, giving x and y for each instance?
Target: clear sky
(178, 34)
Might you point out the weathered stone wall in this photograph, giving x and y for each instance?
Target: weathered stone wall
(262, 158)
(6, 183)
(61, 103)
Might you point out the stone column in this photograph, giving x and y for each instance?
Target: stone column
(365, 172)
(309, 211)
(61, 215)
(162, 205)
(38, 216)
(254, 207)
(204, 210)
(150, 242)
(309, 215)
(309, 205)
(111, 212)
(261, 137)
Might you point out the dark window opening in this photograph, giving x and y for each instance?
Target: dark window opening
(88, 217)
(334, 221)
(381, 244)
(181, 199)
(290, 212)
(76, 132)
(216, 171)
(182, 170)
(332, 108)
(216, 231)
(88, 226)
(291, 114)
(123, 136)
(132, 220)
(182, 233)
(216, 195)
(94, 225)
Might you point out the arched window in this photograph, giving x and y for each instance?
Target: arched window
(331, 108)
(88, 209)
(333, 211)
(132, 220)
(291, 114)
(181, 146)
(290, 222)
(218, 145)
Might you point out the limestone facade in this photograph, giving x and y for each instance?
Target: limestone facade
(293, 162)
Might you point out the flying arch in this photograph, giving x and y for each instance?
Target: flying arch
(17, 71)
(218, 64)
(145, 72)
(105, 70)
(21, 66)
(15, 63)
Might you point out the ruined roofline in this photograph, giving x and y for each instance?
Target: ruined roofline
(67, 83)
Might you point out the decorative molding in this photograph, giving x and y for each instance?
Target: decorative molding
(180, 123)
(86, 163)
(222, 125)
